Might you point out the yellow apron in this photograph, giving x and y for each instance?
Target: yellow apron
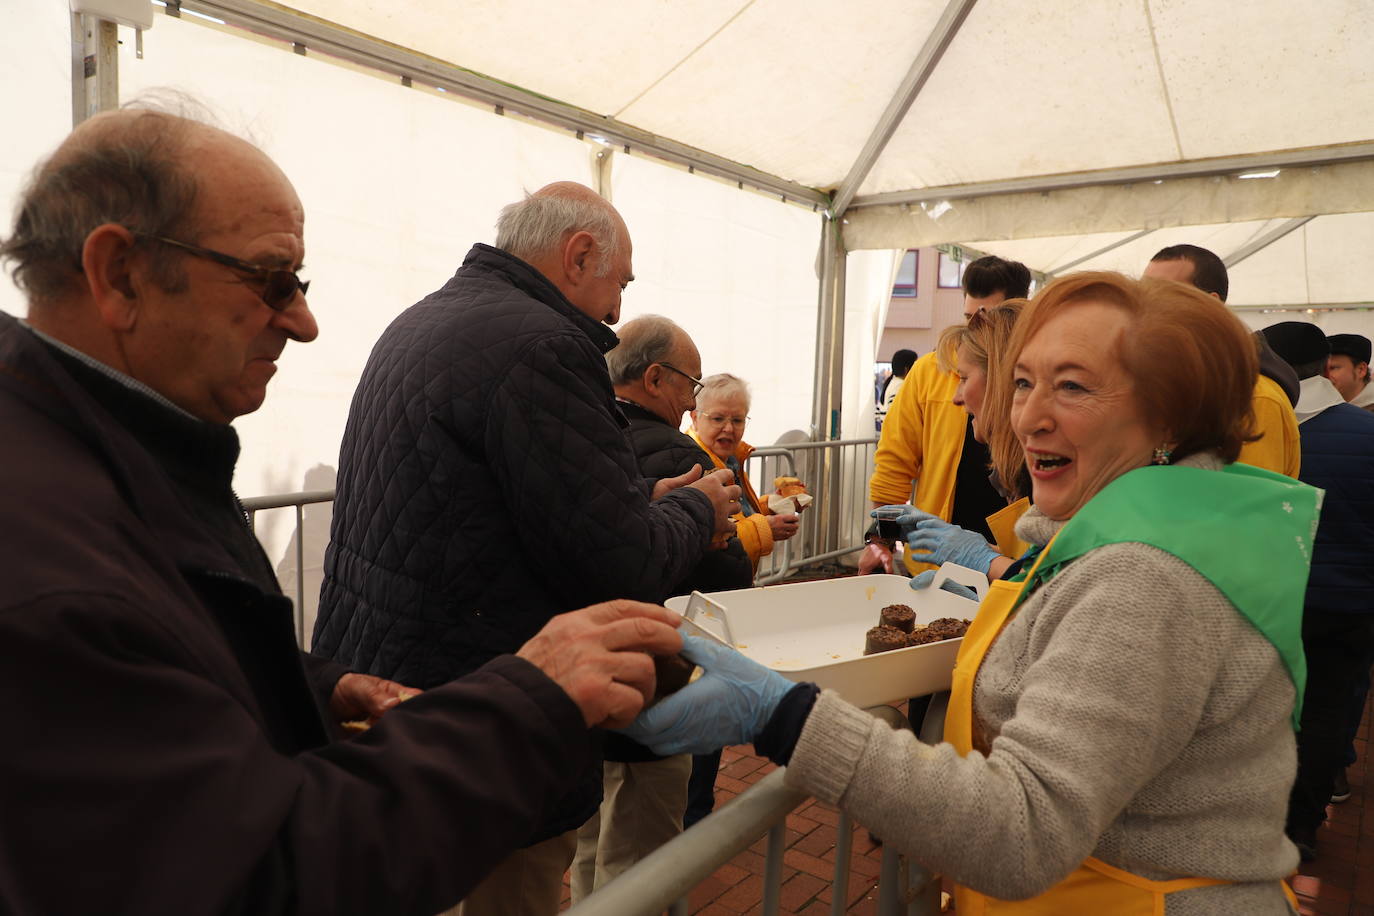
(1002, 524)
(1094, 887)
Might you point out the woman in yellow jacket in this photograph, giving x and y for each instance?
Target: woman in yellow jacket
(971, 353)
(718, 427)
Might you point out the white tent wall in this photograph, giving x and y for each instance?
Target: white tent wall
(869, 276)
(737, 271)
(397, 183)
(1336, 321)
(36, 103)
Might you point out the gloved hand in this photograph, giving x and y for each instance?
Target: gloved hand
(950, 544)
(905, 516)
(729, 704)
(949, 585)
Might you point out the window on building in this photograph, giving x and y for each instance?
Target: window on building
(951, 272)
(905, 285)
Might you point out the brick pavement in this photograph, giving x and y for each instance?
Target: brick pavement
(1339, 883)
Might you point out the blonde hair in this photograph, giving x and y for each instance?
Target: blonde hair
(986, 342)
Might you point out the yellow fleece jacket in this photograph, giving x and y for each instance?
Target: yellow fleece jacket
(1277, 449)
(755, 534)
(922, 439)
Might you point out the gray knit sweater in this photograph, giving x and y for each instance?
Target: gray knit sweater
(1134, 715)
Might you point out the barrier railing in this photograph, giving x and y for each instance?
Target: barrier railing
(836, 474)
(298, 502)
(662, 879)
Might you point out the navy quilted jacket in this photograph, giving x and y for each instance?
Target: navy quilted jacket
(486, 484)
(1338, 457)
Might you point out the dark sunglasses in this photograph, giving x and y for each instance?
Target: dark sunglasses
(279, 286)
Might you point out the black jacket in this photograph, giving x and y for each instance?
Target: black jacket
(486, 485)
(161, 730)
(663, 451)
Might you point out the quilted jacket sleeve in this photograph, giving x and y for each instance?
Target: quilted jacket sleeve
(672, 461)
(566, 471)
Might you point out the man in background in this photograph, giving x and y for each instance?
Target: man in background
(656, 372)
(1348, 368)
(902, 361)
(1276, 389)
(1338, 609)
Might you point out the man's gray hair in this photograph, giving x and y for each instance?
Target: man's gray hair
(646, 340)
(132, 174)
(722, 385)
(531, 228)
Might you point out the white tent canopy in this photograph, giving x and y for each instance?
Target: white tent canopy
(1062, 127)
(1045, 132)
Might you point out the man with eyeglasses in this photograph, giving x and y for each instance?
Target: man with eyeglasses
(162, 729)
(655, 370)
(486, 484)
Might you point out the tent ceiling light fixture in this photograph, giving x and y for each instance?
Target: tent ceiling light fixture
(1272, 173)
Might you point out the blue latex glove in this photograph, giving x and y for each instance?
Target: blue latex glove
(905, 516)
(949, 585)
(729, 704)
(950, 544)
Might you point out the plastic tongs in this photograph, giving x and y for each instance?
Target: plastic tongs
(699, 603)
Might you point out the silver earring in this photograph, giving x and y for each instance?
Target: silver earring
(1162, 455)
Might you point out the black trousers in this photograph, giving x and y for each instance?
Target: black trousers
(1337, 647)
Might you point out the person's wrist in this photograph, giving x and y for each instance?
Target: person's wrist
(986, 560)
(871, 536)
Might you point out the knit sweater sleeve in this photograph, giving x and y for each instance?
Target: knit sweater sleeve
(1090, 693)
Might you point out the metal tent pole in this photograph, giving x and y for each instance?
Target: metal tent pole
(1264, 241)
(95, 66)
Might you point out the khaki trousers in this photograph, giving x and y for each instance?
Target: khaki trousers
(641, 810)
(528, 882)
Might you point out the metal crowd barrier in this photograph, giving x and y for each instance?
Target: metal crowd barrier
(836, 474)
(298, 502)
(662, 880)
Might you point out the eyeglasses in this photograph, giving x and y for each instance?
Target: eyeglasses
(718, 420)
(278, 286)
(697, 384)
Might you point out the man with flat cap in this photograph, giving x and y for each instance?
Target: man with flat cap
(1348, 368)
(1338, 611)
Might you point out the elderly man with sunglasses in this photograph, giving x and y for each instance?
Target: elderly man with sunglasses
(164, 736)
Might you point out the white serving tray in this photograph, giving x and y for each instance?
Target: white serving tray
(814, 631)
